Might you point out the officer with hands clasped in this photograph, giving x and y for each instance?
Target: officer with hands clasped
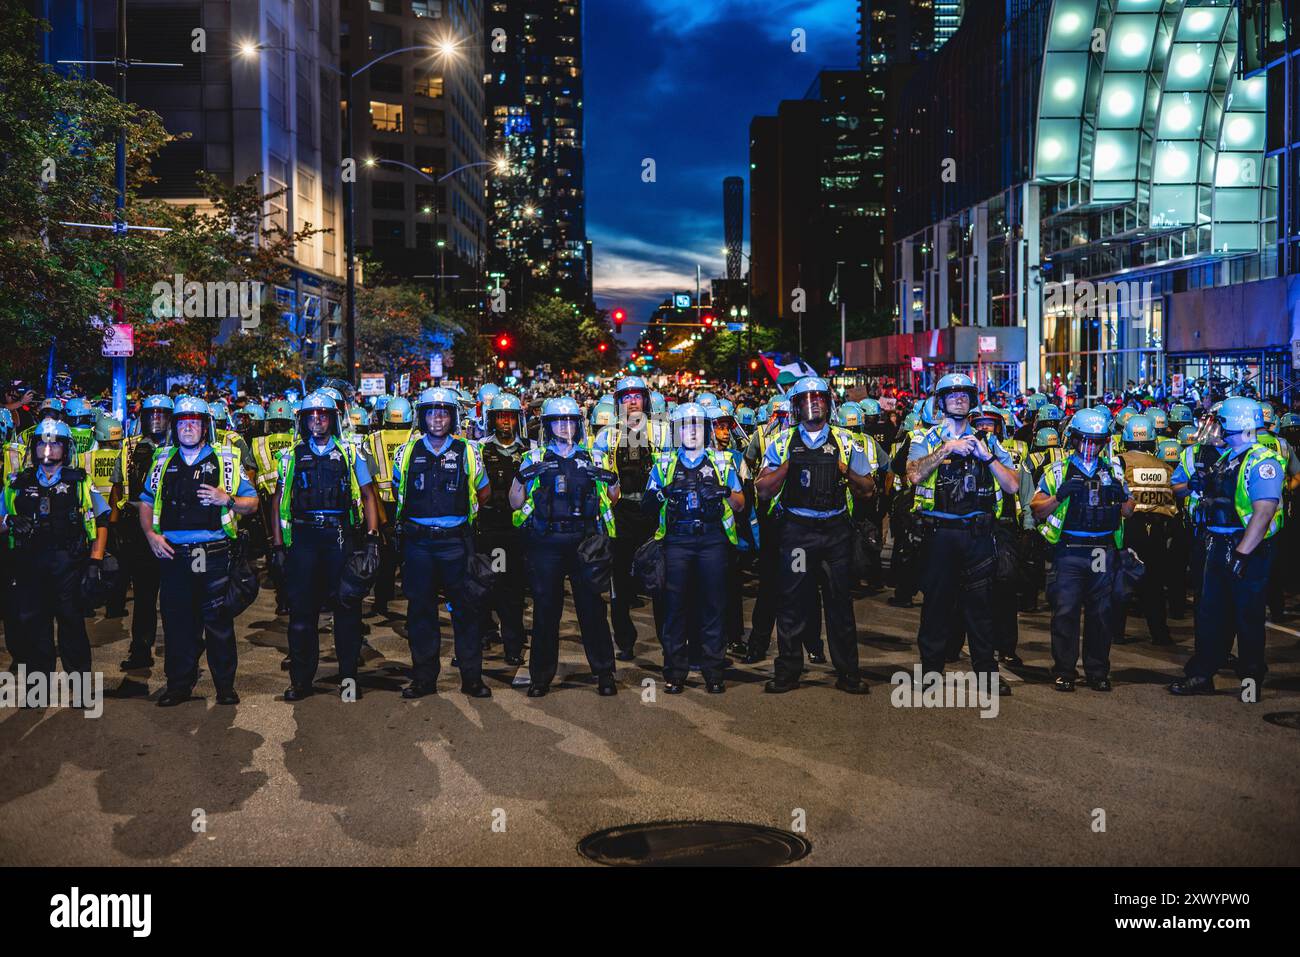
(440, 484)
(960, 477)
(695, 492)
(1080, 506)
(323, 495)
(562, 500)
(810, 473)
(189, 510)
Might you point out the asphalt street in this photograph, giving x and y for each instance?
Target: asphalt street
(518, 781)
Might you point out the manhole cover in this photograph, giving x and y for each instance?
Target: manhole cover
(694, 844)
(1284, 719)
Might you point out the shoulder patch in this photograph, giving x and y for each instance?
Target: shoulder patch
(1268, 471)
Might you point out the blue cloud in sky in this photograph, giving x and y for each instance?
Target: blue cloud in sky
(678, 81)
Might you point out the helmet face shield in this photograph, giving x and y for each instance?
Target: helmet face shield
(438, 420)
(1210, 431)
(812, 407)
(564, 429)
(690, 432)
(157, 421)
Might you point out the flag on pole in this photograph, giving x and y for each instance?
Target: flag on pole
(785, 368)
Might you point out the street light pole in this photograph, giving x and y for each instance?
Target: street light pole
(350, 237)
(438, 243)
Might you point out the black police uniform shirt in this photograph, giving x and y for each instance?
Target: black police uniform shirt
(933, 438)
(208, 473)
(44, 498)
(1080, 515)
(322, 501)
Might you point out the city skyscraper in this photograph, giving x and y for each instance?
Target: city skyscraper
(733, 222)
(419, 115)
(534, 81)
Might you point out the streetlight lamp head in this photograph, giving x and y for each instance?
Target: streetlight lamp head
(370, 161)
(248, 48)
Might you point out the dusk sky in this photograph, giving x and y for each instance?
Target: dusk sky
(679, 81)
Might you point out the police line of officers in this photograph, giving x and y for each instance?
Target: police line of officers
(1099, 510)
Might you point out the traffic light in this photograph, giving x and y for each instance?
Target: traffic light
(602, 347)
(708, 320)
(753, 365)
(503, 342)
(619, 318)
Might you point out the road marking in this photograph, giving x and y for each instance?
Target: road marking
(1289, 631)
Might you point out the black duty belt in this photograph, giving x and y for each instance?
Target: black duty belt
(693, 528)
(1104, 540)
(568, 527)
(319, 520)
(210, 548)
(811, 522)
(415, 530)
(977, 521)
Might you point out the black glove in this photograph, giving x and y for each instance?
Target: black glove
(22, 526)
(372, 551)
(1196, 484)
(712, 493)
(92, 571)
(537, 469)
(603, 475)
(275, 562)
(1237, 562)
(1072, 486)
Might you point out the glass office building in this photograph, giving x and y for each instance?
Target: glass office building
(1095, 192)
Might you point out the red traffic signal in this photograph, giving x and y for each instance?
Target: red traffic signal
(708, 319)
(649, 347)
(753, 365)
(602, 347)
(619, 318)
(503, 342)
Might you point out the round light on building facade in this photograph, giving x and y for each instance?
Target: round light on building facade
(1240, 130)
(1179, 117)
(1052, 150)
(1189, 64)
(1106, 157)
(1132, 43)
(1064, 88)
(1120, 103)
(1174, 162)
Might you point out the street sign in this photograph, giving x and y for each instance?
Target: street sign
(918, 364)
(404, 383)
(735, 327)
(1177, 384)
(1295, 353)
(119, 340)
(435, 366)
(372, 384)
(988, 343)
(682, 301)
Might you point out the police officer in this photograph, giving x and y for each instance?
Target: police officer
(694, 490)
(496, 536)
(103, 463)
(809, 476)
(629, 449)
(960, 478)
(393, 433)
(189, 512)
(1240, 494)
(58, 531)
(440, 484)
(1150, 531)
(562, 498)
(138, 561)
(1079, 507)
(323, 495)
